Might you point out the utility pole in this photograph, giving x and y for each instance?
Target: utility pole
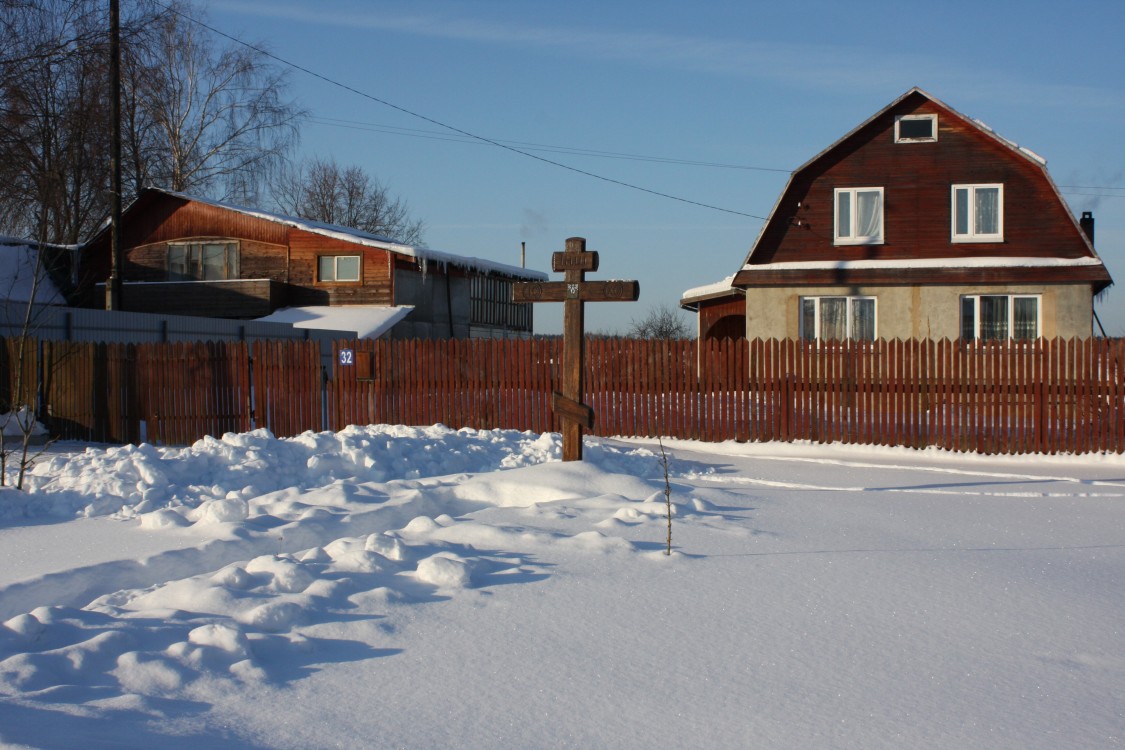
(113, 285)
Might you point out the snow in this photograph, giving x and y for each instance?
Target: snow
(17, 274)
(365, 321)
(392, 586)
(15, 424)
(977, 262)
(716, 289)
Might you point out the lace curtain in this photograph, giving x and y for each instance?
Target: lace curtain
(987, 211)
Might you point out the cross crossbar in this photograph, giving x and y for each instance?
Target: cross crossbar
(574, 291)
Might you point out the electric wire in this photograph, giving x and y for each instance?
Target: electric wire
(456, 134)
(531, 146)
(465, 133)
(576, 151)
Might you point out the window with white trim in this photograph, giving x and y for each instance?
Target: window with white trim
(338, 268)
(916, 128)
(859, 216)
(978, 213)
(1000, 317)
(202, 261)
(837, 318)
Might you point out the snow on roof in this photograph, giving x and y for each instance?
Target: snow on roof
(981, 262)
(1026, 151)
(422, 254)
(17, 271)
(366, 321)
(716, 289)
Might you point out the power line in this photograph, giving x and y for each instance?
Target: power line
(374, 127)
(1078, 190)
(524, 148)
(452, 128)
(530, 146)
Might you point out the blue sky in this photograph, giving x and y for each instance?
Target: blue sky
(712, 103)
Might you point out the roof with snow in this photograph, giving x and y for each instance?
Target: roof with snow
(423, 255)
(365, 321)
(19, 260)
(905, 263)
(725, 288)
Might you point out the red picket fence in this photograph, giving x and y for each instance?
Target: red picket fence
(167, 393)
(1038, 397)
(474, 383)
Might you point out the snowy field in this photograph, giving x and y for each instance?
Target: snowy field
(390, 587)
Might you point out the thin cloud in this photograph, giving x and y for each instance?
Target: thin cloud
(813, 67)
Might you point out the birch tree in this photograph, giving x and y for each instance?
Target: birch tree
(206, 118)
(200, 114)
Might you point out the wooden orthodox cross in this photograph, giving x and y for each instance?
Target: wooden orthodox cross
(574, 292)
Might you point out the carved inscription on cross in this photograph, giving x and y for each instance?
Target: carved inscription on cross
(574, 292)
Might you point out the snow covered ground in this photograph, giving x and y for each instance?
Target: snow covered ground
(426, 588)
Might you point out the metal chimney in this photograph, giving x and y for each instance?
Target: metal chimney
(1087, 224)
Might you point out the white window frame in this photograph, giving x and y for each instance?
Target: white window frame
(929, 139)
(336, 269)
(972, 235)
(1011, 323)
(849, 333)
(852, 238)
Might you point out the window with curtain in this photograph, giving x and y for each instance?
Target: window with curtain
(978, 213)
(837, 318)
(999, 317)
(859, 216)
(202, 261)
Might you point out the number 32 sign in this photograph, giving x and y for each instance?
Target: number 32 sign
(347, 357)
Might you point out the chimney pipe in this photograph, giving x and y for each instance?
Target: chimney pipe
(1087, 224)
(523, 255)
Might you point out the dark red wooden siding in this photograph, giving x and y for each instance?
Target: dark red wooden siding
(267, 250)
(723, 318)
(917, 179)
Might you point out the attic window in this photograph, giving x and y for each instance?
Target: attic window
(916, 129)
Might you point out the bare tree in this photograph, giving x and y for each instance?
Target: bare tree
(19, 426)
(197, 116)
(53, 117)
(322, 190)
(662, 322)
(203, 118)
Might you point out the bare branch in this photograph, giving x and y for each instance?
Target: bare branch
(662, 322)
(322, 190)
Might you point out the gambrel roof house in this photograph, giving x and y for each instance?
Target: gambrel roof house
(919, 223)
(186, 255)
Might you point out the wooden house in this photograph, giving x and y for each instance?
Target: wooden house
(919, 223)
(184, 255)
